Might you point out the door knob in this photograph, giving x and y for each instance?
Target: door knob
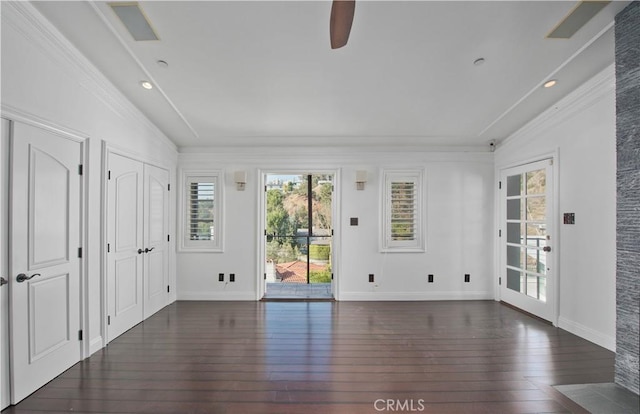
(140, 251)
(22, 277)
(148, 250)
(3, 281)
(547, 248)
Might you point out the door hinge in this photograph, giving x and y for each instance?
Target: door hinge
(109, 320)
(80, 252)
(109, 175)
(265, 232)
(265, 276)
(499, 185)
(168, 288)
(265, 188)
(500, 281)
(80, 169)
(499, 233)
(332, 232)
(108, 247)
(168, 187)
(80, 335)
(331, 276)
(168, 237)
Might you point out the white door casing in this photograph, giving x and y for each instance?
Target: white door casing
(45, 238)
(125, 244)
(4, 268)
(156, 225)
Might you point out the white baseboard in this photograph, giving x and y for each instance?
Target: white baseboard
(413, 296)
(587, 333)
(95, 345)
(216, 296)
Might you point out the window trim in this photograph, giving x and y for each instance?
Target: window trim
(416, 245)
(201, 246)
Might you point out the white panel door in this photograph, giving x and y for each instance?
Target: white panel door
(527, 273)
(4, 269)
(45, 268)
(125, 245)
(156, 224)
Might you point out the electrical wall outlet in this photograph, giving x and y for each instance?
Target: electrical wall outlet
(232, 277)
(370, 277)
(467, 278)
(220, 277)
(430, 279)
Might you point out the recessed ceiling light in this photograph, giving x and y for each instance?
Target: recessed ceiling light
(478, 61)
(550, 83)
(146, 84)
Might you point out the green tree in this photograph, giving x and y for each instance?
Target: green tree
(278, 220)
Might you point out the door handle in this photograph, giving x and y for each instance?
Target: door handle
(140, 251)
(22, 277)
(546, 248)
(148, 250)
(3, 281)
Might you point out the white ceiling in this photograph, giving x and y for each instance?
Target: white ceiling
(263, 73)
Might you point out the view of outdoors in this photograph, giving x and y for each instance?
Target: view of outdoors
(298, 241)
(527, 233)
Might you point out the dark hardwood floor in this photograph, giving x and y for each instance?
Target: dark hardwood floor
(330, 357)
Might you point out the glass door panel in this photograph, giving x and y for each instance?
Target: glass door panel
(298, 235)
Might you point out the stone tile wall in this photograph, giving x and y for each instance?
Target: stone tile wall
(627, 30)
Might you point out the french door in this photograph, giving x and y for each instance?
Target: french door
(527, 274)
(298, 234)
(45, 255)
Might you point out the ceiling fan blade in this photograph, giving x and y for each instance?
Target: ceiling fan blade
(341, 19)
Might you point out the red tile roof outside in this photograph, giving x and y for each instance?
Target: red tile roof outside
(296, 272)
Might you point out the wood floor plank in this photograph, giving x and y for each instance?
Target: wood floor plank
(329, 357)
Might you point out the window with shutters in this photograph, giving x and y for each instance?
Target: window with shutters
(201, 211)
(403, 221)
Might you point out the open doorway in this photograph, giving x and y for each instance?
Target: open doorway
(298, 236)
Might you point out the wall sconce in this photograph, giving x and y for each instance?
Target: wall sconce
(361, 178)
(240, 178)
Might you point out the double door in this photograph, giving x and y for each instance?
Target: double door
(137, 242)
(298, 235)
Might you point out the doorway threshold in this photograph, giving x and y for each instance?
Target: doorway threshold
(298, 292)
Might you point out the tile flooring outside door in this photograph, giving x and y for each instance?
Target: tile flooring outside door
(298, 291)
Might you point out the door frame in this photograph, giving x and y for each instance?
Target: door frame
(13, 115)
(107, 149)
(554, 221)
(261, 227)
(5, 374)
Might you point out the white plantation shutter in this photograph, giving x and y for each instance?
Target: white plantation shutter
(202, 221)
(402, 211)
(201, 214)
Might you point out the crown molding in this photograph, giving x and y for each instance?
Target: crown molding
(300, 157)
(586, 95)
(29, 22)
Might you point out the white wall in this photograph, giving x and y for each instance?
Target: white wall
(459, 213)
(44, 79)
(581, 127)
